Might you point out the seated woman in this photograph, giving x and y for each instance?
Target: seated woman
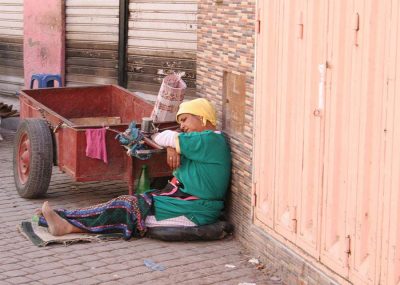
(201, 160)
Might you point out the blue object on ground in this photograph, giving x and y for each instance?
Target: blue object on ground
(46, 80)
(152, 265)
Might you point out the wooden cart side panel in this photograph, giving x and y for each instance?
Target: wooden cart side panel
(67, 152)
(80, 102)
(93, 101)
(138, 109)
(71, 140)
(92, 169)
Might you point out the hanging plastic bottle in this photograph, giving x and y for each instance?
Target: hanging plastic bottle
(144, 181)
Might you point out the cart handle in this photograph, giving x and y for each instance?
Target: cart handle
(152, 143)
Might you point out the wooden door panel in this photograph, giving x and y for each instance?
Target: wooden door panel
(289, 121)
(313, 52)
(337, 178)
(390, 261)
(368, 137)
(318, 175)
(265, 119)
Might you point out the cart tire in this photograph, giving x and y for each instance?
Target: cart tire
(33, 158)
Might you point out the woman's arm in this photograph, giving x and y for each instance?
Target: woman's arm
(173, 158)
(169, 139)
(166, 138)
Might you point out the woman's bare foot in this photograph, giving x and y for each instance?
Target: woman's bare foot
(38, 212)
(57, 225)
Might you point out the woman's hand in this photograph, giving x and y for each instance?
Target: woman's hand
(173, 158)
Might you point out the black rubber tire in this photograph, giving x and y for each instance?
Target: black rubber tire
(40, 158)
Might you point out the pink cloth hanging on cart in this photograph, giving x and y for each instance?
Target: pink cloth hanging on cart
(96, 144)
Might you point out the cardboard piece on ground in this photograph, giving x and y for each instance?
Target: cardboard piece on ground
(41, 237)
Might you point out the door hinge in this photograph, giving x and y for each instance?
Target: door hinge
(254, 196)
(348, 250)
(258, 21)
(293, 214)
(294, 226)
(348, 245)
(356, 27)
(300, 26)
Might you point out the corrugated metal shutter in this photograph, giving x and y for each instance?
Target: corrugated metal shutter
(11, 46)
(92, 42)
(162, 37)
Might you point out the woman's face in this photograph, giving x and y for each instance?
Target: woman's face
(190, 123)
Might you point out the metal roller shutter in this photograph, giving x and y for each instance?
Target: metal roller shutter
(91, 42)
(161, 37)
(11, 46)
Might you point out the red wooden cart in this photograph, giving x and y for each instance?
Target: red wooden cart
(52, 132)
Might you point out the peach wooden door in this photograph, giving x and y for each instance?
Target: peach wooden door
(336, 188)
(354, 139)
(265, 120)
(289, 122)
(327, 134)
(289, 163)
(368, 139)
(390, 261)
(311, 27)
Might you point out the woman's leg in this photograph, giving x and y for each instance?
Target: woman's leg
(57, 225)
(124, 214)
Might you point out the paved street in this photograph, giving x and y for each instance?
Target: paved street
(111, 262)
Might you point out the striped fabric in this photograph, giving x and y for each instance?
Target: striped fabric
(180, 221)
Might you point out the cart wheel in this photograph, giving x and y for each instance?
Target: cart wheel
(33, 158)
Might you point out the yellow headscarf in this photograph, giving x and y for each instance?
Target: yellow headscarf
(199, 107)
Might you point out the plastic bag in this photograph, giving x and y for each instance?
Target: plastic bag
(170, 96)
(152, 265)
(131, 139)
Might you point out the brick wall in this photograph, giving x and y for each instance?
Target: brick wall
(226, 43)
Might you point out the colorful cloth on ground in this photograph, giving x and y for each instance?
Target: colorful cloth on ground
(205, 173)
(125, 214)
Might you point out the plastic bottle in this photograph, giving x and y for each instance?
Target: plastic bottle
(144, 181)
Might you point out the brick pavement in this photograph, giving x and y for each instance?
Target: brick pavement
(111, 262)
